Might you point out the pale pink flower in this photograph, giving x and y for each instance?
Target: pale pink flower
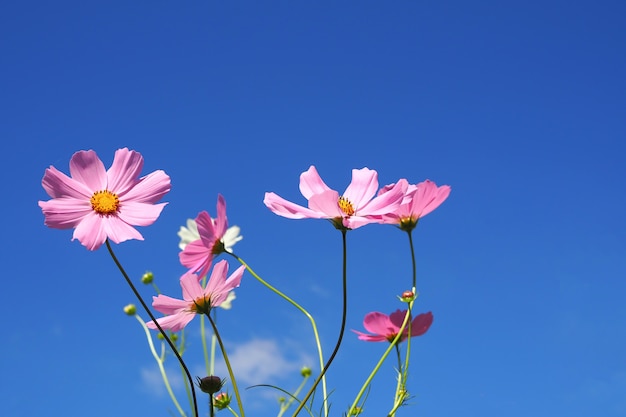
(420, 199)
(103, 204)
(198, 255)
(384, 327)
(356, 207)
(196, 300)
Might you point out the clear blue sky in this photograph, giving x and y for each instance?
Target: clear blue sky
(518, 106)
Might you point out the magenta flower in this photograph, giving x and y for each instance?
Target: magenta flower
(101, 204)
(196, 300)
(386, 327)
(356, 207)
(420, 199)
(198, 255)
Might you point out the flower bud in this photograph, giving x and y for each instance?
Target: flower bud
(407, 296)
(210, 384)
(305, 371)
(130, 309)
(356, 411)
(147, 278)
(221, 400)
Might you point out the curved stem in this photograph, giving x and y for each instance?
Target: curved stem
(306, 313)
(145, 307)
(159, 361)
(227, 362)
(341, 331)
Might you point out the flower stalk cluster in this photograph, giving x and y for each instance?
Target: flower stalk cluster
(104, 206)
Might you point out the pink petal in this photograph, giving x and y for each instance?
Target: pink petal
(428, 197)
(174, 323)
(362, 188)
(378, 323)
(387, 202)
(397, 318)
(64, 213)
(282, 207)
(220, 293)
(326, 204)
(206, 229)
(196, 257)
(59, 185)
(354, 222)
(87, 168)
(311, 183)
(149, 189)
(421, 324)
(124, 171)
(140, 214)
(168, 305)
(370, 337)
(217, 279)
(90, 231)
(118, 230)
(221, 222)
(192, 290)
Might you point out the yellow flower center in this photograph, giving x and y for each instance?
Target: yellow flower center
(105, 202)
(346, 206)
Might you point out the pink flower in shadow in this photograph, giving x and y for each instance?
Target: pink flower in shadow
(386, 328)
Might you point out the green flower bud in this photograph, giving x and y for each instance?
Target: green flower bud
(356, 411)
(221, 400)
(147, 278)
(408, 296)
(305, 371)
(130, 309)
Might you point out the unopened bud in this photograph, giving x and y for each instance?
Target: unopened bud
(356, 411)
(305, 371)
(407, 296)
(210, 384)
(130, 309)
(147, 278)
(221, 400)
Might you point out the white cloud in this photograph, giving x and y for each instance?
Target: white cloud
(263, 361)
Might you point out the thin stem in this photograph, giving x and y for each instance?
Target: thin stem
(154, 320)
(159, 361)
(227, 362)
(409, 232)
(341, 331)
(306, 313)
(295, 394)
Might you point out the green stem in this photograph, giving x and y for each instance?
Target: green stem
(413, 258)
(306, 313)
(227, 362)
(341, 331)
(159, 361)
(145, 307)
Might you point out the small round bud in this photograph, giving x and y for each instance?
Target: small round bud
(281, 400)
(160, 336)
(173, 337)
(210, 384)
(407, 296)
(147, 278)
(130, 309)
(221, 400)
(356, 411)
(305, 371)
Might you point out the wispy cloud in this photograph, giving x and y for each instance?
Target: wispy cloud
(152, 381)
(262, 361)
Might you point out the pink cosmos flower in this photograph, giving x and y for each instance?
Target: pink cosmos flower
(101, 204)
(198, 255)
(420, 199)
(196, 300)
(356, 207)
(386, 327)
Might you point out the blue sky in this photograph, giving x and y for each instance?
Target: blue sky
(519, 107)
